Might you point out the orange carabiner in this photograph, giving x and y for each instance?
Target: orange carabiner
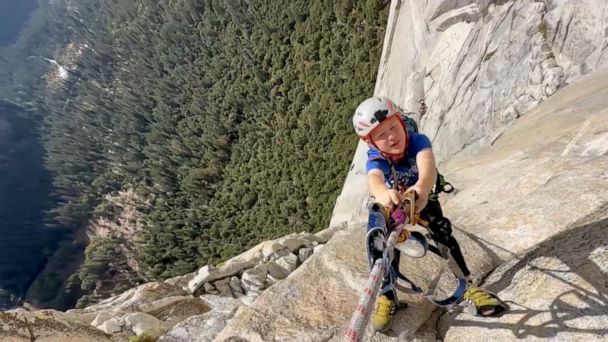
(410, 204)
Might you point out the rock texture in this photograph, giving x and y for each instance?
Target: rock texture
(557, 291)
(544, 174)
(206, 326)
(46, 326)
(482, 64)
(551, 224)
(315, 303)
(256, 269)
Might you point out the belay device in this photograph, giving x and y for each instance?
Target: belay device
(387, 231)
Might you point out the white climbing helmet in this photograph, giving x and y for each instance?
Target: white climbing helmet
(370, 113)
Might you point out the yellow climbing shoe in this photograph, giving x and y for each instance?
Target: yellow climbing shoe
(382, 317)
(483, 303)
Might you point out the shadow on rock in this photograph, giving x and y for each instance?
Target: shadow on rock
(559, 289)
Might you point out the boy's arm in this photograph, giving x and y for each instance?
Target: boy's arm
(384, 195)
(427, 176)
(427, 170)
(375, 181)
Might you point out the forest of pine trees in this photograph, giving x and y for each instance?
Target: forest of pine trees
(230, 120)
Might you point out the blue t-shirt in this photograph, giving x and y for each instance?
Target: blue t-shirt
(406, 169)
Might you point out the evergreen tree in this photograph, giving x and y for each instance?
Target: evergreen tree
(229, 119)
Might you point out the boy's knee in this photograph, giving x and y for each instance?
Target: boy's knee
(441, 228)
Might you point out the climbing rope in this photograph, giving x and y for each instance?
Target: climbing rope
(358, 323)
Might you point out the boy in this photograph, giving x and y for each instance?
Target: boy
(400, 162)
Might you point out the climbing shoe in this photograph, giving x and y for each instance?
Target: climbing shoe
(482, 303)
(382, 317)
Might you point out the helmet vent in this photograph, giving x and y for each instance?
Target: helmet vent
(380, 115)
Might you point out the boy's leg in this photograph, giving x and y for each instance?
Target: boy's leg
(374, 254)
(441, 231)
(377, 232)
(481, 302)
(386, 303)
(388, 283)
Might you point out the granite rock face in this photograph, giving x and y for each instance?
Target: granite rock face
(556, 291)
(46, 326)
(535, 199)
(482, 64)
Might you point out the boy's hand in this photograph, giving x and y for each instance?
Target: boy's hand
(389, 198)
(422, 197)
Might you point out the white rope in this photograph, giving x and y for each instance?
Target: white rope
(360, 318)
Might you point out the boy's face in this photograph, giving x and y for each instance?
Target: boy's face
(389, 136)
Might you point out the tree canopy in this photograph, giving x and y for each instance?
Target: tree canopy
(230, 119)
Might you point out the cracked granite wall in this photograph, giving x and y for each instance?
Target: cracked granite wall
(482, 64)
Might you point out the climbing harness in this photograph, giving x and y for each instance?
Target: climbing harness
(412, 243)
